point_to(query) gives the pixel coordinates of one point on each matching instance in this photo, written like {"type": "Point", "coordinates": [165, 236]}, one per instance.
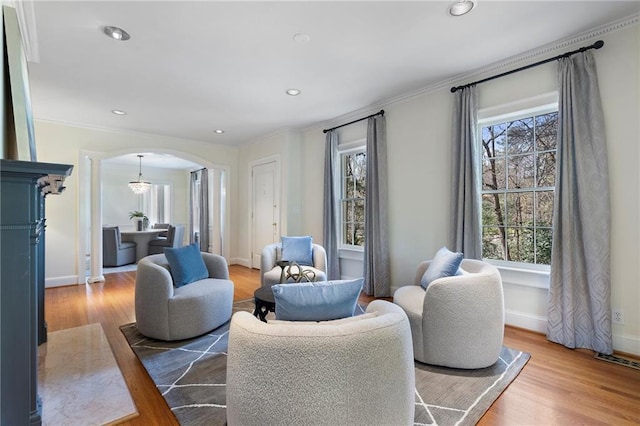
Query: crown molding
{"type": "Point", "coordinates": [522, 59]}
{"type": "Point", "coordinates": [27, 23]}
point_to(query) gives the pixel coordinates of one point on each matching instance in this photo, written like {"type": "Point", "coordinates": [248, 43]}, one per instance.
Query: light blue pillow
{"type": "Point", "coordinates": [317, 301]}
{"type": "Point", "coordinates": [298, 249]}
{"type": "Point", "coordinates": [444, 264]}
{"type": "Point", "coordinates": [186, 264]}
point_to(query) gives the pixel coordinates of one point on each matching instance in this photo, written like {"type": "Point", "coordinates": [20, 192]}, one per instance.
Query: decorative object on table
{"type": "Point", "coordinates": [115, 252]}
{"type": "Point", "coordinates": [182, 369]}
{"type": "Point", "coordinates": [141, 221]}
{"type": "Point", "coordinates": [458, 321]}
{"type": "Point", "coordinates": [175, 235]}
{"type": "Point", "coordinates": [272, 273]}
{"type": "Point", "coordinates": [292, 272]}
{"type": "Point", "coordinates": [140, 186]}
{"type": "Point", "coordinates": [202, 302]}
{"type": "Point", "coordinates": [311, 371]}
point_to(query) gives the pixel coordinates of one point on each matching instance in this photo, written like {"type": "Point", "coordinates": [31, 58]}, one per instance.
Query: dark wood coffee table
{"type": "Point", "coordinates": [265, 302]}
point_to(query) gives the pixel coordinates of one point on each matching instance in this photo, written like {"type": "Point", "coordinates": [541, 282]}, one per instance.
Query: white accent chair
{"type": "Point", "coordinates": [352, 371]}
{"type": "Point", "coordinates": [270, 272]}
{"type": "Point", "coordinates": [165, 312]}
{"type": "Point", "coordinates": [458, 321]}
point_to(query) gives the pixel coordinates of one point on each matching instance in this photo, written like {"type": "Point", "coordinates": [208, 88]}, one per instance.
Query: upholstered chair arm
{"type": "Point", "coordinates": [154, 288]}
{"type": "Point", "coordinates": [460, 309]}
{"type": "Point", "coordinates": [422, 267]}
{"type": "Point", "coordinates": [319, 258]}
{"type": "Point", "coordinates": [267, 260]}
{"type": "Point", "coordinates": [216, 265]}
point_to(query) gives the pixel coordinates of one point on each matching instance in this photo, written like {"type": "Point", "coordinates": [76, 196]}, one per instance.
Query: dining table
{"type": "Point", "coordinates": [141, 238]}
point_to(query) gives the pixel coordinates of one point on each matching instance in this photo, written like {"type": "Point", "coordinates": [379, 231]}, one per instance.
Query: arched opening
{"type": "Point", "coordinates": [104, 197]}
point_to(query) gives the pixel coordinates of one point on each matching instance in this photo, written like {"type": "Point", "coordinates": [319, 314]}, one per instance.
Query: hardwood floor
{"type": "Point", "coordinates": [558, 386]}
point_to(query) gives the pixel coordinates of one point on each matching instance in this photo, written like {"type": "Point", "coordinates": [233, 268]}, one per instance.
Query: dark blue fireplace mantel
{"type": "Point", "coordinates": [23, 188]}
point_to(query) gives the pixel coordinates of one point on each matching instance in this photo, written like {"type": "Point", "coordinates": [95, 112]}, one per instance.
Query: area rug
{"type": "Point", "coordinates": [191, 375]}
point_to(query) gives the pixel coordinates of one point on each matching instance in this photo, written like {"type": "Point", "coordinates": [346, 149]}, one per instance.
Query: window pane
{"type": "Point", "coordinates": [520, 136]}
{"type": "Point", "coordinates": [493, 209]}
{"type": "Point", "coordinates": [543, 246]}
{"type": "Point", "coordinates": [546, 169]}
{"type": "Point", "coordinates": [546, 131]}
{"type": "Point", "coordinates": [348, 233]}
{"type": "Point", "coordinates": [349, 188]}
{"type": "Point", "coordinates": [520, 245]}
{"type": "Point", "coordinates": [493, 174]}
{"type": "Point", "coordinates": [520, 209]}
{"type": "Point", "coordinates": [521, 171]}
{"type": "Point", "coordinates": [493, 243]}
{"type": "Point", "coordinates": [359, 211]}
{"type": "Point", "coordinates": [358, 239]}
{"type": "Point", "coordinates": [544, 208]}
{"type": "Point", "coordinates": [494, 140]}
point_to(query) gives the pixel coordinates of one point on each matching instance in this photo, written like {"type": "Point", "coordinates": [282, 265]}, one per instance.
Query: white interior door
{"type": "Point", "coordinates": [265, 209]}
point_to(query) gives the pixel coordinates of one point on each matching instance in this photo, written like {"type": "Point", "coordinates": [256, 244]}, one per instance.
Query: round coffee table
{"type": "Point", "coordinates": [265, 303]}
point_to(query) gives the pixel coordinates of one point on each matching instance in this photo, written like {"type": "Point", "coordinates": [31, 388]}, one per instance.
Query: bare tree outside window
{"type": "Point", "coordinates": [518, 179]}
{"type": "Point", "coordinates": [353, 167]}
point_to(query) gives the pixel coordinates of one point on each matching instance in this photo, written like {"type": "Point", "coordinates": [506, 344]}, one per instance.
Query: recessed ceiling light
{"type": "Point", "coordinates": [116, 33]}
{"type": "Point", "coordinates": [293, 92]}
{"type": "Point", "coordinates": [461, 7]}
{"type": "Point", "coordinates": [219, 131]}
{"type": "Point", "coordinates": [118, 112]}
{"type": "Point", "coordinates": [301, 38]}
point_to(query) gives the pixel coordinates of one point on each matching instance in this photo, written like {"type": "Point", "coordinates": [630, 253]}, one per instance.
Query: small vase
{"type": "Point", "coordinates": [138, 224]}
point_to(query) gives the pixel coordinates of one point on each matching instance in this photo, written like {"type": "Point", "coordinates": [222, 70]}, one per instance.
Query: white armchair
{"type": "Point", "coordinates": [459, 320]}
{"type": "Point", "coordinates": [270, 272]}
{"type": "Point", "coordinates": [352, 371]}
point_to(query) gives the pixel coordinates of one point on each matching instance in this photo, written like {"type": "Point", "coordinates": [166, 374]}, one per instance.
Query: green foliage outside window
{"type": "Point", "coordinates": [353, 166]}
{"type": "Point", "coordinates": [518, 179]}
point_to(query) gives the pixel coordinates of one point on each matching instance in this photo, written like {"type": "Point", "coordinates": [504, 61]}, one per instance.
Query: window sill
{"type": "Point", "coordinates": [352, 253]}
{"type": "Point", "coordinates": [536, 276]}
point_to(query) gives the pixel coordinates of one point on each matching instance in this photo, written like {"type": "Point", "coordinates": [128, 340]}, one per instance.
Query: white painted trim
{"type": "Point", "coordinates": [526, 321]}
{"type": "Point", "coordinates": [626, 343]}
{"type": "Point", "coordinates": [527, 278]}
{"type": "Point", "coordinates": [240, 261]}
{"type": "Point", "coordinates": [27, 22]}
{"type": "Point", "coordinates": [61, 281]}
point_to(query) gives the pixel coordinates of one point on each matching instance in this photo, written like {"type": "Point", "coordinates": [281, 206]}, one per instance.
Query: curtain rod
{"type": "Point", "coordinates": [381, 112]}
{"type": "Point", "coordinates": [597, 45]}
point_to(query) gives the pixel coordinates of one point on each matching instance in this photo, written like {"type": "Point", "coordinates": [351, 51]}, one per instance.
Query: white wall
{"type": "Point", "coordinates": [58, 143]}
{"type": "Point", "coordinates": [418, 137]}
{"type": "Point", "coordinates": [118, 200]}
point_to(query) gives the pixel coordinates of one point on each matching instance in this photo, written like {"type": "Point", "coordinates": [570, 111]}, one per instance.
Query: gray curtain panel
{"type": "Point", "coordinates": [377, 270]}
{"type": "Point", "coordinates": [193, 194]}
{"type": "Point", "coordinates": [579, 294]}
{"type": "Point", "coordinates": [330, 206]}
{"type": "Point", "coordinates": [465, 228]}
{"type": "Point", "coordinates": [204, 210]}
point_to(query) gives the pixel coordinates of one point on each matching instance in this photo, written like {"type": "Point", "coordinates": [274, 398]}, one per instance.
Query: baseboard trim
{"type": "Point", "coordinates": [626, 344]}
{"type": "Point", "coordinates": [240, 261]}
{"type": "Point", "coordinates": [526, 321]}
{"type": "Point", "coordinates": [61, 281]}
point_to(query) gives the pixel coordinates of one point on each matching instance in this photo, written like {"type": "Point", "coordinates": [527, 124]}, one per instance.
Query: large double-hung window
{"type": "Point", "coordinates": [518, 180]}
{"type": "Point", "coordinates": [353, 167]}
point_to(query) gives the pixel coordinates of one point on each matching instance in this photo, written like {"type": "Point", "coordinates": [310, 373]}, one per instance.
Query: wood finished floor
{"type": "Point", "coordinates": [558, 386]}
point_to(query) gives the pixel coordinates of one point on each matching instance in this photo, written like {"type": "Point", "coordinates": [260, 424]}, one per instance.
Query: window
{"type": "Point", "coordinates": [353, 166]}
{"type": "Point", "coordinates": [518, 179]}
{"type": "Point", "coordinates": [157, 203]}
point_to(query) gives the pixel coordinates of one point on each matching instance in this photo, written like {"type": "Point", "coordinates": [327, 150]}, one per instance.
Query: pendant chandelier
{"type": "Point", "coordinates": [140, 186]}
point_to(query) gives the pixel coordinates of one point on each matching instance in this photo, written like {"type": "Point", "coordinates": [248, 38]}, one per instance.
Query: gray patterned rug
{"type": "Point", "coordinates": [191, 375]}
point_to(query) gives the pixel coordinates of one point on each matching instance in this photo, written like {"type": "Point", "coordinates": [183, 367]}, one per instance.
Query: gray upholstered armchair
{"type": "Point", "coordinates": [459, 320]}
{"type": "Point", "coordinates": [114, 251]}
{"type": "Point", "coordinates": [162, 226]}
{"type": "Point", "coordinates": [270, 272]}
{"type": "Point", "coordinates": [174, 237]}
{"type": "Point", "coordinates": [168, 313]}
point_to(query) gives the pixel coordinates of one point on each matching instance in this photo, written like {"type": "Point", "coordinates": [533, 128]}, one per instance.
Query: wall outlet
{"type": "Point", "coordinates": [617, 316]}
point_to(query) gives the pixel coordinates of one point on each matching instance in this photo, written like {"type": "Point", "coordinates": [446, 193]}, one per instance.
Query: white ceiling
{"type": "Point", "coordinates": [192, 67]}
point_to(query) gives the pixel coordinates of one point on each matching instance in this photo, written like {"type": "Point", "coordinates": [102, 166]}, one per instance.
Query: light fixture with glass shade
{"type": "Point", "coordinates": [140, 186]}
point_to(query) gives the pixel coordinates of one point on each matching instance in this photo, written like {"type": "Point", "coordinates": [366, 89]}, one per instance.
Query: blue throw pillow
{"type": "Point", "coordinates": [186, 264]}
{"type": "Point", "coordinates": [317, 301]}
{"type": "Point", "coordinates": [444, 264]}
{"type": "Point", "coordinates": [298, 249]}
